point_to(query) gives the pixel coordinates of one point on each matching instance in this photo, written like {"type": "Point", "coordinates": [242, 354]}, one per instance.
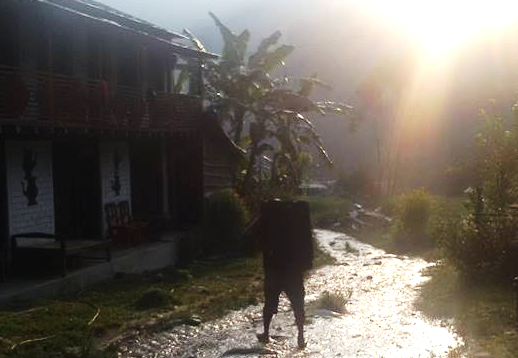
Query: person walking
{"type": "Point", "coordinates": [286, 238]}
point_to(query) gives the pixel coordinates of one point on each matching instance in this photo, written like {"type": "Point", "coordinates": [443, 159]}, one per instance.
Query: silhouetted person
{"type": "Point", "coordinates": [286, 238]}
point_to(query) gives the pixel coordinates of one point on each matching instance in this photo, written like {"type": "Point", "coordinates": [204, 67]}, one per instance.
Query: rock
{"type": "Point", "coordinates": [194, 320]}
{"type": "Point", "coordinates": [369, 277]}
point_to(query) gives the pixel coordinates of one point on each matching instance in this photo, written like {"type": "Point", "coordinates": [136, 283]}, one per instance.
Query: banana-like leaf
{"type": "Point", "coordinates": [299, 116]}
{"type": "Point", "coordinates": [276, 58]}
{"type": "Point", "coordinates": [271, 40]}
{"type": "Point", "coordinates": [307, 84]}
{"type": "Point", "coordinates": [234, 46]}
{"type": "Point", "coordinates": [324, 154]}
{"type": "Point", "coordinates": [254, 61]}
{"type": "Point", "coordinates": [242, 44]}
{"type": "Point", "coordinates": [195, 40]}
{"type": "Point", "coordinates": [292, 101]}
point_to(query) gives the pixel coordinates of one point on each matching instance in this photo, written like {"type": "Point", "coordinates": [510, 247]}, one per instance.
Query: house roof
{"type": "Point", "coordinates": [96, 11]}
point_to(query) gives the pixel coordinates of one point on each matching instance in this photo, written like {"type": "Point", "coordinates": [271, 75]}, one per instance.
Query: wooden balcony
{"type": "Point", "coordinates": [35, 98]}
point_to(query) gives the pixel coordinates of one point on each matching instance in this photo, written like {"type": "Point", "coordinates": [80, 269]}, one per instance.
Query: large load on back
{"type": "Point", "coordinates": [286, 235]}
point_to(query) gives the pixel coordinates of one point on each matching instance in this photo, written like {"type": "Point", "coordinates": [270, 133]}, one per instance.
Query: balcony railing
{"type": "Point", "coordinates": [41, 98]}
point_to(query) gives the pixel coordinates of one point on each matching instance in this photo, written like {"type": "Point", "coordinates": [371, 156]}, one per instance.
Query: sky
{"type": "Point", "coordinates": [460, 58]}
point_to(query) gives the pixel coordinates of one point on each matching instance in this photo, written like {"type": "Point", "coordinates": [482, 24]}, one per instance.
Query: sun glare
{"type": "Point", "coordinates": [441, 25]}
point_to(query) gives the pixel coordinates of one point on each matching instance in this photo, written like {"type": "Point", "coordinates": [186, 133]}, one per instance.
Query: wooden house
{"type": "Point", "coordinates": [91, 114]}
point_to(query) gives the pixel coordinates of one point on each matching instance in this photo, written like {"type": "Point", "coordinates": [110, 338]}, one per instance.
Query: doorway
{"type": "Point", "coordinates": [77, 190]}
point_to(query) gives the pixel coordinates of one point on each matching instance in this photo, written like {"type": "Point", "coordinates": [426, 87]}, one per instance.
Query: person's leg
{"type": "Point", "coordinates": [271, 302]}
{"type": "Point", "coordinates": [295, 293]}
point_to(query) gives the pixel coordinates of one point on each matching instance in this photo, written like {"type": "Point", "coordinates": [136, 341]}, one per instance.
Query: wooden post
{"type": "Point", "coordinates": [165, 178]}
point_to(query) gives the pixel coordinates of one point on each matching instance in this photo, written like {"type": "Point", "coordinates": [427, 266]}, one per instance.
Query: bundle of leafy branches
{"type": "Point", "coordinates": [483, 243]}
{"type": "Point", "coordinates": [245, 94]}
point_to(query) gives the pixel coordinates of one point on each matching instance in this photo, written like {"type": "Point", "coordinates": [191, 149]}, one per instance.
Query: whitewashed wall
{"type": "Point", "coordinates": [24, 217]}
{"type": "Point", "coordinates": [106, 152]}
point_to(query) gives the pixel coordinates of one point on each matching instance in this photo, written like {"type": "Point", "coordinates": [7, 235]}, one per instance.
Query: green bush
{"type": "Point", "coordinates": [191, 246]}
{"type": "Point", "coordinates": [388, 205]}
{"type": "Point", "coordinates": [480, 245]}
{"type": "Point", "coordinates": [356, 183]}
{"type": "Point", "coordinates": [153, 298]}
{"type": "Point", "coordinates": [225, 219]}
{"type": "Point", "coordinates": [412, 217]}
{"type": "Point", "coordinates": [480, 249]}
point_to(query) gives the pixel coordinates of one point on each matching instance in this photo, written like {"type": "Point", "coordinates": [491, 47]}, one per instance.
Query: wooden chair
{"type": "Point", "coordinates": [38, 241]}
{"type": "Point", "coordinates": [122, 229]}
{"type": "Point", "coordinates": [124, 211]}
{"type": "Point", "coordinates": [117, 232]}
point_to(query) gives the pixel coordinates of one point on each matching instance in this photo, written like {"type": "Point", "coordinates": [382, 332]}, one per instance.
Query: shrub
{"type": "Point", "coordinates": [414, 211]}
{"type": "Point", "coordinates": [153, 298]}
{"type": "Point", "coordinates": [389, 205]}
{"type": "Point", "coordinates": [225, 220]}
{"type": "Point", "coordinates": [412, 217]}
{"type": "Point", "coordinates": [356, 183]}
{"type": "Point", "coordinates": [191, 246]}
{"type": "Point", "coordinates": [479, 249]}
{"type": "Point", "coordinates": [480, 245]}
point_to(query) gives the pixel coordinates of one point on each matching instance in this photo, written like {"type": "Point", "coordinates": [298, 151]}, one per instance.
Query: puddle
{"type": "Point", "coordinates": [380, 320]}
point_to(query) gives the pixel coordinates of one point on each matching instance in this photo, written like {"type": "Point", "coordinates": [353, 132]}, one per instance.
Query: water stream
{"type": "Point", "coordinates": [381, 320]}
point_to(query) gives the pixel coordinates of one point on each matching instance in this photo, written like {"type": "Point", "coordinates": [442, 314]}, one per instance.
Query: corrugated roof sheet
{"type": "Point", "coordinates": [107, 15]}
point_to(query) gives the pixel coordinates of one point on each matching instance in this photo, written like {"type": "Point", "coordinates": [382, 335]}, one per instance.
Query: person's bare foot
{"type": "Point", "coordinates": [263, 337]}
{"type": "Point", "coordinates": [301, 343]}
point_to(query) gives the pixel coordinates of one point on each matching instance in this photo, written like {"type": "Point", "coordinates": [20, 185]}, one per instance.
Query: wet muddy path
{"type": "Point", "coordinates": [381, 320]}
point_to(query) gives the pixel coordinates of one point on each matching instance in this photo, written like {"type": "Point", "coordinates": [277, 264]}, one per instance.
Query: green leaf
{"type": "Point", "coordinates": [255, 60]}
{"type": "Point", "coordinates": [307, 84]}
{"type": "Point", "coordinates": [234, 47]}
{"type": "Point", "coordinates": [276, 58]}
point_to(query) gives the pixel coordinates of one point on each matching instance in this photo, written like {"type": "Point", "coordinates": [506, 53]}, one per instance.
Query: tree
{"type": "Point", "coordinates": [243, 90]}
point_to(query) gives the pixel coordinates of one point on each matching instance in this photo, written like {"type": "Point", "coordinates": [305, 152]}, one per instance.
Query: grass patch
{"type": "Point", "coordinates": [328, 210]}
{"type": "Point", "coordinates": [332, 301]}
{"type": "Point", "coordinates": [154, 298]}
{"type": "Point", "coordinates": [382, 238]}
{"type": "Point", "coordinates": [208, 289]}
{"type": "Point", "coordinates": [484, 314]}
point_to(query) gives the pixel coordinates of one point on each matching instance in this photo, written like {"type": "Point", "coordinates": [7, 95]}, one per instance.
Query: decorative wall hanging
{"type": "Point", "coordinates": [116, 182]}
{"type": "Point", "coordinates": [29, 187]}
